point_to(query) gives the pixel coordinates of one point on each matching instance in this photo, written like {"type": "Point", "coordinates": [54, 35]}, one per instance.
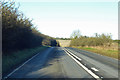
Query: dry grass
{"type": "Point", "coordinates": [16, 58]}
{"type": "Point", "coordinates": [105, 52]}
{"type": "Point", "coordinates": [64, 43]}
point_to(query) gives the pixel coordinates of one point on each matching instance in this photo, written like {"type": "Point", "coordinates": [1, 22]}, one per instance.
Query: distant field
{"type": "Point", "coordinates": [64, 43]}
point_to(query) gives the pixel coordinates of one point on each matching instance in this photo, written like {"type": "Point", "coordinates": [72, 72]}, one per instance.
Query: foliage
{"type": "Point", "coordinates": [49, 41]}
{"type": "Point", "coordinates": [18, 32]}
{"type": "Point", "coordinates": [76, 34]}
{"type": "Point", "coordinates": [13, 60]}
{"type": "Point", "coordinates": [117, 41]}
{"type": "Point", "coordinates": [63, 38]}
{"type": "Point", "coordinates": [98, 40]}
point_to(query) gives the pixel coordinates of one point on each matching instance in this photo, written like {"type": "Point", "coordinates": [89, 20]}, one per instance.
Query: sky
{"type": "Point", "coordinates": [59, 18]}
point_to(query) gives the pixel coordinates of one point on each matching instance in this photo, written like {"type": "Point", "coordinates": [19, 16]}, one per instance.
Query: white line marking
{"type": "Point", "coordinates": [74, 55]}
{"type": "Point", "coordinates": [85, 68]}
{"type": "Point", "coordinates": [101, 77]}
{"type": "Point", "coordinates": [21, 66]}
{"type": "Point", "coordinates": [94, 69]}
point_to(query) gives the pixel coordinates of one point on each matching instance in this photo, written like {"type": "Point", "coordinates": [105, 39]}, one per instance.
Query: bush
{"type": "Point", "coordinates": [18, 32]}
{"type": "Point", "coordinates": [101, 40]}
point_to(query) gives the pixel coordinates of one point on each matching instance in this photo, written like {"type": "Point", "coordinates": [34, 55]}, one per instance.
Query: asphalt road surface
{"type": "Point", "coordinates": [58, 62]}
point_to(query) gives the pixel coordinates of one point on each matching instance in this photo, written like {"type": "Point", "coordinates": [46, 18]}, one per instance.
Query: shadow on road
{"type": "Point", "coordinates": [51, 68]}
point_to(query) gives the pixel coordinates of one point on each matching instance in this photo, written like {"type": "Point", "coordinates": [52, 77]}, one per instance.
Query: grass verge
{"type": "Point", "coordinates": [13, 60]}
{"type": "Point", "coordinates": [109, 53]}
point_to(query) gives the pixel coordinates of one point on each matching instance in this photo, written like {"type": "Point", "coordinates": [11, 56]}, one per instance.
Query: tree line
{"type": "Point", "coordinates": [97, 40]}
{"type": "Point", "coordinates": [18, 32]}
{"type": "Point", "coordinates": [62, 38]}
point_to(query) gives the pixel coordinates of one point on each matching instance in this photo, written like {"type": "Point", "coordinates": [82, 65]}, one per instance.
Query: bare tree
{"type": "Point", "coordinates": [76, 34]}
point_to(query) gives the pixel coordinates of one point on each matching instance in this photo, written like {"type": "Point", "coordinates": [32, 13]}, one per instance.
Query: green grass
{"type": "Point", "coordinates": [9, 62]}
{"type": "Point", "coordinates": [109, 53]}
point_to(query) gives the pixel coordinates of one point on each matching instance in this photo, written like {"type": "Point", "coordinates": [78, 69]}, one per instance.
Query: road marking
{"type": "Point", "coordinates": [85, 68]}
{"type": "Point", "coordinates": [74, 55]}
{"type": "Point", "coordinates": [20, 66]}
{"type": "Point", "coordinates": [94, 69]}
{"type": "Point", "coordinates": [101, 77]}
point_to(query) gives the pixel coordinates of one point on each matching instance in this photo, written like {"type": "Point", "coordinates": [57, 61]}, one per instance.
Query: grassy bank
{"type": "Point", "coordinates": [9, 62]}
{"type": "Point", "coordinates": [109, 53]}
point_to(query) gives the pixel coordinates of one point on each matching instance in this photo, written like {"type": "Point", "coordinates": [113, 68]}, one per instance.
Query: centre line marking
{"type": "Point", "coordinates": [85, 68]}
{"type": "Point", "coordinates": [94, 69]}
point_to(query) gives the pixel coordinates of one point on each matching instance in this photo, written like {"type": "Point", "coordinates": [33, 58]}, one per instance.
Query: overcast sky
{"type": "Point", "coordinates": [58, 18]}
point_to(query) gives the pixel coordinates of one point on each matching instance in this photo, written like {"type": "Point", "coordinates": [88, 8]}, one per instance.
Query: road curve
{"type": "Point", "coordinates": [55, 63]}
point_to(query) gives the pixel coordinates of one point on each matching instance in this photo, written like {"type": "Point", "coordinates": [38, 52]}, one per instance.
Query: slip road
{"type": "Point", "coordinates": [58, 62]}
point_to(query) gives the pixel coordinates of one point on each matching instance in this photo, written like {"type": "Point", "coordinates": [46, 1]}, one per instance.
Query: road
{"type": "Point", "coordinates": [58, 62]}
